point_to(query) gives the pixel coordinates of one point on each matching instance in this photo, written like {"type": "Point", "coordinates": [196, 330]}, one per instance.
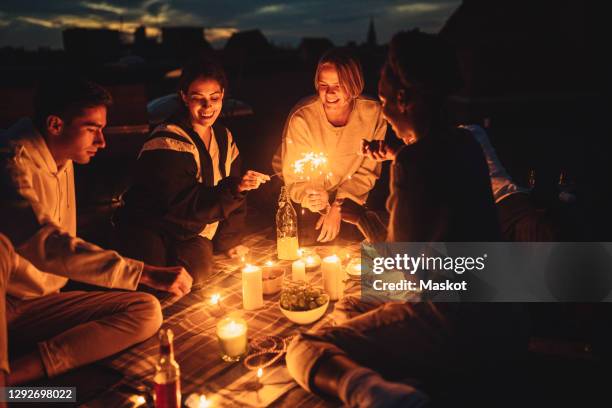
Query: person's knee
{"type": "Point", "coordinates": [303, 354]}
{"type": "Point", "coordinates": [296, 352]}
{"type": "Point", "coordinates": [147, 313]}
{"type": "Point", "coordinates": [200, 271]}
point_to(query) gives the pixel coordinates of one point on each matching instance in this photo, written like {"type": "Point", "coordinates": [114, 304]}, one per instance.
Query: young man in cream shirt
{"type": "Point", "coordinates": [69, 329]}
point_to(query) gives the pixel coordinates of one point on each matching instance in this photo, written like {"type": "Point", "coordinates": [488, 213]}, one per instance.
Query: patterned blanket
{"type": "Point", "coordinates": [193, 320]}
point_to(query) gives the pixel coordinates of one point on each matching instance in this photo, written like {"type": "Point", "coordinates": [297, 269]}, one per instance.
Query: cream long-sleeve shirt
{"type": "Point", "coordinates": [308, 130]}
{"type": "Point", "coordinates": [53, 253]}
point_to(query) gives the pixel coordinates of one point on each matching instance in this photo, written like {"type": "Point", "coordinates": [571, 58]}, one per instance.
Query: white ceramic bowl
{"type": "Point", "coordinates": [272, 280]}
{"type": "Point", "coordinates": [305, 316]}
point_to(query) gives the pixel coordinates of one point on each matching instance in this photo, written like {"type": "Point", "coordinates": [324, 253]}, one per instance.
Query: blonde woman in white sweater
{"type": "Point", "coordinates": [333, 122]}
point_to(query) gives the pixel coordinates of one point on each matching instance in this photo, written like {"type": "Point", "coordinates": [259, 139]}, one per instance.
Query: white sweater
{"type": "Point", "coordinates": [308, 130]}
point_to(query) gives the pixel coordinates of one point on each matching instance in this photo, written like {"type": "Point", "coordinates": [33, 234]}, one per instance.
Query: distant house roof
{"type": "Point", "coordinates": [252, 41]}
{"type": "Point", "coordinates": [312, 48]}
{"type": "Point", "coordinates": [99, 43]}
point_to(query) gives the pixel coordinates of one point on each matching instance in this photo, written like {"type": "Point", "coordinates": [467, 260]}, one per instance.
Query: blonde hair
{"type": "Point", "coordinates": [349, 71]}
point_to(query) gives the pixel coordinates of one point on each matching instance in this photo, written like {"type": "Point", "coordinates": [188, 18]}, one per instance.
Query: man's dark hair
{"type": "Point", "coordinates": [67, 97]}
{"type": "Point", "coordinates": [424, 62]}
{"type": "Point", "coordinates": [202, 67]}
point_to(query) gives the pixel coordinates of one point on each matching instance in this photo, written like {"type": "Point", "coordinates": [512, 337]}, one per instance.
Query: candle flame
{"type": "Point", "coordinates": [214, 299]}
{"type": "Point", "coordinates": [310, 259]}
{"type": "Point", "coordinates": [332, 258]}
{"type": "Point", "coordinates": [269, 263]}
{"type": "Point", "coordinates": [259, 372]}
{"type": "Point", "coordinates": [138, 400]}
{"type": "Point", "coordinates": [250, 268]}
{"type": "Point", "coordinates": [203, 403]}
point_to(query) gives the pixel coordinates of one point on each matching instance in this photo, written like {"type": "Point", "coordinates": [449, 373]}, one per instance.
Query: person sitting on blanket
{"type": "Point", "coordinates": [363, 360]}
{"type": "Point", "coordinates": [517, 215]}
{"type": "Point", "coordinates": [188, 193]}
{"type": "Point", "coordinates": [332, 122]}
{"type": "Point", "coordinates": [52, 331]}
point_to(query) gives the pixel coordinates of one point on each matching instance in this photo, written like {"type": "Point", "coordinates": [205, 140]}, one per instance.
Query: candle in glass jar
{"type": "Point", "coordinates": [252, 287]}
{"type": "Point", "coordinates": [298, 270]}
{"type": "Point", "coordinates": [333, 277]}
{"type": "Point", "coordinates": [232, 336]}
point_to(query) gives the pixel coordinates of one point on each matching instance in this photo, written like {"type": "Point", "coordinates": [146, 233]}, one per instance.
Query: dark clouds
{"type": "Point", "coordinates": [39, 22]}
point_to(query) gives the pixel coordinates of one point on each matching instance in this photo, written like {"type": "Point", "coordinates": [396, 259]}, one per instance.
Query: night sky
{"type": "Point", "coordinates": [35, 23]}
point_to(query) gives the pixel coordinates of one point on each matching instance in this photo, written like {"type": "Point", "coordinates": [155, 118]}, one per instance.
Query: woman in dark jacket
{"type": "Point", "coordinates": [188, 194]}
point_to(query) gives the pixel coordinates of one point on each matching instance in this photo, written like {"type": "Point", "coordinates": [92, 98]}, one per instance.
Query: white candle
{"type": "Point", "coordinates": [298, 270]}
{"type": "Point", "coordinates": [252, 287]}
{"type": "Point", "coordinates": [333, 277]}
{"type": "Point", "coordinates": [232, 335]}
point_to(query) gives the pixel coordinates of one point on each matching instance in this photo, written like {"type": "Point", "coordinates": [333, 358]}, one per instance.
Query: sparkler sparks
{"type": "Point", "coordinates": [315, 162]}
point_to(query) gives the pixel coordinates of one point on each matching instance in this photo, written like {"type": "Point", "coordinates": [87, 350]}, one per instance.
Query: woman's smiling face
{"type": "Point", "coordinates": [333, 96]}
{"type": "Point", "coordinates": [204, 100]}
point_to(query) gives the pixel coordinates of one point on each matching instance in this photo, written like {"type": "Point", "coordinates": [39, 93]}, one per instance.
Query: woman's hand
{"type": "Point", "coordinates": [377, 150]}
{"type": "Point", "coordinates": [316, 199]}
{"type": "Point", "coordinates": [252, 180]}
{"type": "Point", "coordinates": [237, 251]}
{"type": "Point", "coordinates": [329, 224]}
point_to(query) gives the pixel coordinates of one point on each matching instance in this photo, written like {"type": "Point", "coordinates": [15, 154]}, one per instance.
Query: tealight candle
{"type": "Point", "coordinates": [216, 307]}
{"type": "Point", "coordinates": [310, 258]}
{"type": "Point", "coordinates": [354, 267]}
{"type": "Point", "coordinates": [252, 287]}
{"type": "Point", "coordinates": [298, 270]}
{"type": "Point", "coordinates": [198, 401]}
{"type": "Point", "coordinates": [333, 277]}
{"type": "Point", "coordinates": [232, 336]}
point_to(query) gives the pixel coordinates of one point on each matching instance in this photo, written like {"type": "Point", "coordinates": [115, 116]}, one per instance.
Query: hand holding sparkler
{"type": "Point", "coordinates": [252, 180]}
{"type": "Point", "coordinates": [316, 199]}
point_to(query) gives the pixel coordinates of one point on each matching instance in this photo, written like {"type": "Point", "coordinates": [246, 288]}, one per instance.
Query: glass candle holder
{"type": "Point", "coordinates": [232, 337]}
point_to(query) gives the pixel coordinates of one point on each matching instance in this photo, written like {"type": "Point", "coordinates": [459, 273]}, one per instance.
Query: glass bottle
{"type": "Point", "coordinates": [167, 380]}
{"type": "Point", "coordinates": [286, 228]}
{"type": "Point", "coordinates": [531, 179]}
{"type": "Point", "coordinates": [566, 187]}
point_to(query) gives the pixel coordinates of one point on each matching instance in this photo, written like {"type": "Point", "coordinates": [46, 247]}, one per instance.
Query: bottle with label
{"type": "Point", "coordinates": [286, 228]}
{"type": "Point", "coordinates": [167, 380]}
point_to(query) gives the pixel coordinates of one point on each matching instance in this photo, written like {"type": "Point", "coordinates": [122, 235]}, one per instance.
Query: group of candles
{"type": "Point", "coordinates": [232, 330]}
